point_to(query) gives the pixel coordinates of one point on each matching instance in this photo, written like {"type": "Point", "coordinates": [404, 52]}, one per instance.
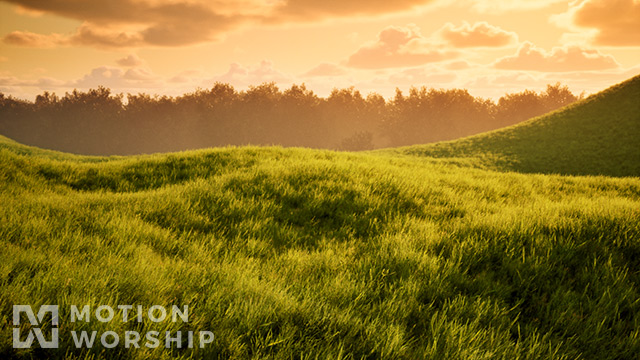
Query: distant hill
{"type": "Point", "coordinates": [597, 136]}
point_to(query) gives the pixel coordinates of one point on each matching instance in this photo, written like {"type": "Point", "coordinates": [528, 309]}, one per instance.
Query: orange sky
{"type": "Point", "coordinates": [175, 46]}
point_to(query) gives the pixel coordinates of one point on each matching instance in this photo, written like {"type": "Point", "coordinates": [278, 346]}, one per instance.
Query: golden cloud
{"type": "Point", "coordinates": [29, 39]}
{"type": "Point", "coordinates": [501, 6]}
{"type": "Point", "coordinates": [398, 47]}
{"type": "Point", "coordinates": [559, 59]}
{"type": "Point", "coordinates": [312, 9]}
{"type": "Point", "coordinates": [480, 34]}
{"type": "Point", "coordinates": [129, 23]}
{"type": "Point", "coordinates": [617, 21]}
{"type": "Point", "coordinates": [131, 60]}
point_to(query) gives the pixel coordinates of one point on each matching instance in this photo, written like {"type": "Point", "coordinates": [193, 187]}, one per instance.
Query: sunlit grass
{"type": "Point", "coordinates": [292, 253]}
{"type": "Point", "coordinates": [596, 136]}
{"type": "Point", "coordinates": [305, 254]}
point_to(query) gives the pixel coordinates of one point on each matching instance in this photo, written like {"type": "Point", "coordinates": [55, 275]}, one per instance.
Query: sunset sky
{"type": "Point", "coordinates": [176, 46]}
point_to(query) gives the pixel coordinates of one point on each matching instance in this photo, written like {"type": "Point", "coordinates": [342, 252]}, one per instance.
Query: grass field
{"type": "Point", "coordinates": [598, 136]}
{"type": "Point", "coordinates": [456, 250]}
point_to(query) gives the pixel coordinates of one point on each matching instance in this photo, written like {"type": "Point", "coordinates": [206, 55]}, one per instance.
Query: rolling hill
{"type": "Point", "coordinates": [597, 136]}
{"type": "Point", "coordinates": [308, 254]}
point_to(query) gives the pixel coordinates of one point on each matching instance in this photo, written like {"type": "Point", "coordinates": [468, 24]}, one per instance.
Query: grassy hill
{"type": "Point", "coordinates": [295, 253]}
{"type": "Point", "coordinates": [597, 136]}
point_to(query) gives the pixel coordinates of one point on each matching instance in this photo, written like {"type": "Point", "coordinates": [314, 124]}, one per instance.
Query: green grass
{"type": "Point", "coordinates": [305, 254]}
{"type": "Point", "coordinates": [597, 136]}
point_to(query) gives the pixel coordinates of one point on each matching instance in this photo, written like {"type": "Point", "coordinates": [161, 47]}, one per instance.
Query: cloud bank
{"type": "Point", "coordinates": [617, 21]}
{"type": "Point", "coordinates": [398, 47]}
{"type": "Point", "coordinates": [559, 59]}
{"type": "Point", "coordinates": [129, 23]}
{"type": "Point", "coordinates": [481, 34]}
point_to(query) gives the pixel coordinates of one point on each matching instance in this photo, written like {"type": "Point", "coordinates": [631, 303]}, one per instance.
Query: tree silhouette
{"type": "Point", "coordinates": [100, 122]}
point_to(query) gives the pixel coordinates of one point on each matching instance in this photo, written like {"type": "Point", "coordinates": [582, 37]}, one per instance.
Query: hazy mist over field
{"type": "Point", "coordinates": [98, 122]}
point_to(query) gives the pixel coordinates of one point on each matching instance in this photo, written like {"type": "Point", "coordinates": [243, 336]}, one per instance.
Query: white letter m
{"type": "Point", "coordinates": [19, 344]}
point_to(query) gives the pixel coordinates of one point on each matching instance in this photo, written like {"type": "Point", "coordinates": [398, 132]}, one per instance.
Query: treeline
{"type": "Point", "coordinates": [99, 122]}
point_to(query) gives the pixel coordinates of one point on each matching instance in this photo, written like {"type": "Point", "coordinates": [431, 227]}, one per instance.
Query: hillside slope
{"type": "Point", "coordinates": [294, 253]}
{"type": "Point", "coordinates": [297, 253]}
{"type": "Point", "coordinates": [597, 136]}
